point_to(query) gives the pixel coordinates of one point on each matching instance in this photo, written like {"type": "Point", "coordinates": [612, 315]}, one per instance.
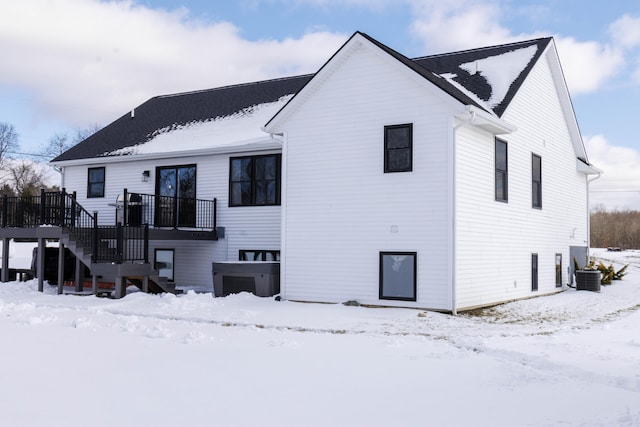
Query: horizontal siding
{"type": "Point", "coordinates": [251, 227]}
{"type": "Point", "coordinates": [495, 240]}
{"type": "Point", "coordinates": [341, 207]}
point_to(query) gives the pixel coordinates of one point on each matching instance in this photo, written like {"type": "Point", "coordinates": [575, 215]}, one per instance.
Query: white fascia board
{"type": "Point", "coordinates": [587, 169]}
{"type": "Point", "coordinates": [257, 145]}
{"type": "Point", "coordinates": [565, 101]}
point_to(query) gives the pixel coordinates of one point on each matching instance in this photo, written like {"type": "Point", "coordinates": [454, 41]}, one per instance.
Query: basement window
{"type": "Point", "coordinates": [259, 255]}
{"type": "Point", "coordinates": [398, 276]}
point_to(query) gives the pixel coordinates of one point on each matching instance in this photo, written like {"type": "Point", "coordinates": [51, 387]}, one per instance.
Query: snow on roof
{"type": "Point", "coordinates": [501, 71]}
{"type": "Point", "coordinates": [240, 128]}
{"type": "Point", "coordinates": [450, 78]}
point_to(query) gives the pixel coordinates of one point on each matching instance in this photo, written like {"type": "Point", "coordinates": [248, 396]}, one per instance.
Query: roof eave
{"type": "Point", "coordinates": [264, 144]}
{"type": "Point", "coordinates": [587, 169]}
{"type": "Point", "coordinates": [487, 121]}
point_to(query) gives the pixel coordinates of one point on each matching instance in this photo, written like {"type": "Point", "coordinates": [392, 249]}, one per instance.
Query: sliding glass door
{"type": "Point", "coordinates": [176, 196]}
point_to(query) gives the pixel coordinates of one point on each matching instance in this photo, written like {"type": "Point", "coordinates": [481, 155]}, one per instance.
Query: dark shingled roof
{"type": "Point", "coordinates": [162, 112]}
{"type": "Point", "coordinates": [174, 110]}
{"type": "Point", "coordinates": [477, 83]}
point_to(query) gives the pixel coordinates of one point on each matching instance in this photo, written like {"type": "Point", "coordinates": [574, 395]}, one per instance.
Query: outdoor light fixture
{"type": "Point", "coordinates": [145, 176]}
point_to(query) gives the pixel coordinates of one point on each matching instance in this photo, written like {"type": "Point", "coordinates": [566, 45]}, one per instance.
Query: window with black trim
{"type": "Point", "coordinates": [254, 180]}
{"type": "Point", "coordinates": [398, 148]}
{"type": "Point", "coordinates": [95, 182]}
{"type": "Point", "coordinates": [398, 275]}
{"type": "Point", "coordinates": [164, 263]}
{"type": "Point", "coordinates": [258, 255]}
{"type": "Point", "coordinates": [502, 178]}
{"type": "Point", "coordinates": [558, 270]}
{"type": "Point", "coordinates": [534, 272]}
{"type": "Point", "coordinates": [536, 181]}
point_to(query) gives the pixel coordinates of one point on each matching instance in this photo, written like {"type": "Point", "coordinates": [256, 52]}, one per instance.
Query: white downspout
{"type": "Point", "coordinates": [452, 207]}
{"type": "Point", "coordinates": [283, 212]}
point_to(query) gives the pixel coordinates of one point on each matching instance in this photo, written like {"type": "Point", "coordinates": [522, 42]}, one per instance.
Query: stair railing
{"type": "Point", "coordinates": [107, 243]}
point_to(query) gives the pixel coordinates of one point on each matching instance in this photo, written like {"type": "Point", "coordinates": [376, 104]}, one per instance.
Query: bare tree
{"type": "Point", "coordinates": [8, 141]}
{"type": "Point", "coordinates": [26, 178]}
{"type": "Point", "coordinates": [61, 142]}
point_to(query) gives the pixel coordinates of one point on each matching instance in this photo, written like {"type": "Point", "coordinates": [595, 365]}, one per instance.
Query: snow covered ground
{"type": "Point", "coordinates": [572, 359]}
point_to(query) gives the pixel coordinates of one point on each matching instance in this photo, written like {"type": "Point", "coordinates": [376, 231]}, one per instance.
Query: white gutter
{"type": "Point", "coordinates": [452, 201]}
{"type": "Point", "coordinates": [258, 144]}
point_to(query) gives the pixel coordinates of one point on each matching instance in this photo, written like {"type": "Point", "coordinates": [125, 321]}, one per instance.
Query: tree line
{"type": "Point", "coordinates": [617, 228]}
{"type": "Point", "coordinates": [21, 176]}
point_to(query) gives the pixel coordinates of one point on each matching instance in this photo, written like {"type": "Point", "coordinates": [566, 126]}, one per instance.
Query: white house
{"type": "Point", "coordinates": [445, 182]}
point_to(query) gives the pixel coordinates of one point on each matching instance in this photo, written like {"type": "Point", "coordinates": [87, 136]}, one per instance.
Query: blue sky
{"type": "Point", "coordinates": [72, 63]}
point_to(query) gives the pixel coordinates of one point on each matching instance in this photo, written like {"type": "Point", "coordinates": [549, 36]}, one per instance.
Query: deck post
{"type": "Point", "coordinates": [43, 202]}
{"type": "Point", "coordinates": [121, 287]}
{"type": "Point", "coordinates": [119, 244]}
{"type": "Point", "coordinates": [215, 213]}
{"type": "Point", "coordinates": [94, 284]}
{"type": "Point", "coordinates": [73, 209]}
{"type": "Point", "coordinates": [40, 265]}
{"type": "Point", "coordinates": [60, 267]}
{"type": "Point", "coordinates": [79, 275]}
{"type": "Point", "coordinates": [125, 208]}
{"type": "Point", "coordinates": [5, 210]}
{"type": "Point", "coordinates": [146, 243]}
{"type": "Point", "coordinates": [5, 260]}
{"type": "Point", "coordinates": [145, 284]}
{"type": "Point", "coordinates": [94, 245]}
{"type": "Point", "coordinates": [61, 206]}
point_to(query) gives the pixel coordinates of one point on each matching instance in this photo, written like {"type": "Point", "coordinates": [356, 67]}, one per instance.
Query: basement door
{"type": "Point", "coordinates": [176, 196]}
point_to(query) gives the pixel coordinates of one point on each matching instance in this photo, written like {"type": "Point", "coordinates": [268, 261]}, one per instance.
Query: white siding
{"type": "Point", "coordinates": [250, 227]}
{"type": "Point", "coordinates": [495, 240]}
{"type": "Point", "coordinates": [341, 206]}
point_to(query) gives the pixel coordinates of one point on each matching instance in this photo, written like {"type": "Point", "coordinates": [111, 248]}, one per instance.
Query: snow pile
{"type": "Point", "coordinates": [240, 128]}
{"type": "Point", "coordinates": [570, 359]}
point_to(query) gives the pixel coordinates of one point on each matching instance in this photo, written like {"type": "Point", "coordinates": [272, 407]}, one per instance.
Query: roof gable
{"type": "Point", "coordinates": [492, 74]}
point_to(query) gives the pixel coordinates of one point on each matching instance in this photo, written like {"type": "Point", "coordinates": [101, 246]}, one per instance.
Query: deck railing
{"type": "Point", "coordinates": [168, 212]}
{"type": "Point", "coordinates": [117, 243]}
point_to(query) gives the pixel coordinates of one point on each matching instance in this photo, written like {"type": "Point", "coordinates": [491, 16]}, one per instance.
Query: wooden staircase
{"type": "Point", "coordinates": [136, 273]}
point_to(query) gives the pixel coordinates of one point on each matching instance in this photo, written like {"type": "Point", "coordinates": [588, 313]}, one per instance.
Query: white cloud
{"type": "Point", "coordinates": [588, 65]}
{"type": "Point", "coordinates": [619, 186]}
{"type": "Point", "coordinates": [89, 61]}
{"type": "Point", "coordinates": [626, 31]}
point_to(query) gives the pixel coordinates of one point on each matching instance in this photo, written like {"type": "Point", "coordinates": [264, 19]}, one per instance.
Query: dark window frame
{"type": "Point", "coordinates": [100, 184]}
{"type": "Point", "coordinates": [258, 253]}
{"type": "Point", "coordinates": [253, 180]}
{"type": "Point", "coordinates": [534, 272]}
{"type": "Point", "coordinates": [536, 181]}
{"type": "Point", "coordinates": [558, 262]}
{"type": "Point", "coordinates": [181, 210]}
{"type": "Point", "coordinates": [501, 175]}
{"type": "Point", "coordinates": [388, 151]}
{"type": "Point", "coordinates": [381, 294]}
{"type": "Point", "coordinates": [173, 261]}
